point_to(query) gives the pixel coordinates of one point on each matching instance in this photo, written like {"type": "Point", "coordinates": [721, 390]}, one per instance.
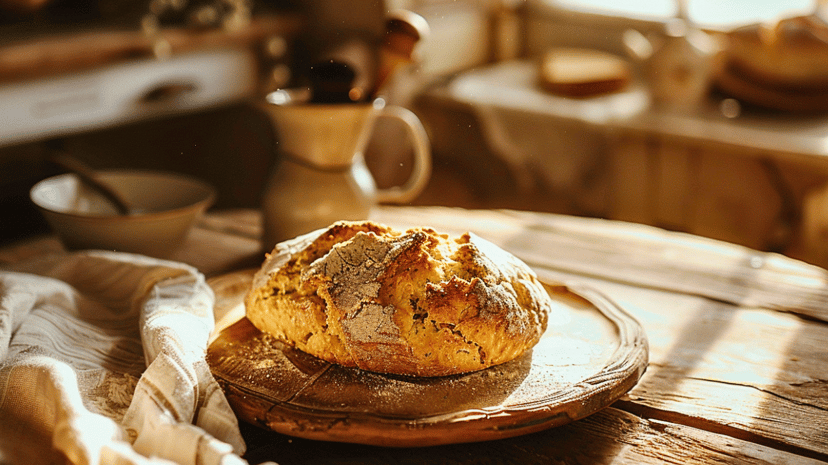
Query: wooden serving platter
{"type": "Point", "coordinates": [591, 354]}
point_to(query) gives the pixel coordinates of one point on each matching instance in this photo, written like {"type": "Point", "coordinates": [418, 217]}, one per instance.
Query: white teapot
{"type": "Point", "coordinates": [678, 64]}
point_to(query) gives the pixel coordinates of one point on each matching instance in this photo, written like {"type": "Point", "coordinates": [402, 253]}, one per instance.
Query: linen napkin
{"type": "Point", "coordinates": [102, 360]}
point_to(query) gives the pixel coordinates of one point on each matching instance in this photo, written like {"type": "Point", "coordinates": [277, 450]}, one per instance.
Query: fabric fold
{"type": "Point", "coordinates": [102, 359]}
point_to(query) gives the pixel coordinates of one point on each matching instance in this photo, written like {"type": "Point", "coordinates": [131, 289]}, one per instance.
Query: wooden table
{"type": "Point", "coordinates": [738, 368]}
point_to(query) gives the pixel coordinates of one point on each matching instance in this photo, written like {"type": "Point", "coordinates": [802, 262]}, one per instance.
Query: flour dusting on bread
{"type": "Point", "coordinates": [409, 302]}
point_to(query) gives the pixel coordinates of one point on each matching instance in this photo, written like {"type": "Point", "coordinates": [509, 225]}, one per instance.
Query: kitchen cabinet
{"type": "Point", "coordinates": [52, 85]}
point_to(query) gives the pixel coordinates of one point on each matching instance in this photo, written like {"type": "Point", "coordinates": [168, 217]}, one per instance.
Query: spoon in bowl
{"type": "Point", "coordinates": [90, 179]}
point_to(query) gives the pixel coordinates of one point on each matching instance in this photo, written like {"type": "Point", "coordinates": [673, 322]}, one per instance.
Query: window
{"type": "Point", "coordinates": [708, 13]}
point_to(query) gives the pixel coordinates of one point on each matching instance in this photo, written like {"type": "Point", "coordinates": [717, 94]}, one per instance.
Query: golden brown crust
{"type": "Point", "coordinates": [410, 303]}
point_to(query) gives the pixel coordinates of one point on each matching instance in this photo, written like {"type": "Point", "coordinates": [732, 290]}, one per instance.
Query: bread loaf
{"type": "Point", "coordinates": [417, 303]}
{"type": "Point", "coordinates": [575, 72]}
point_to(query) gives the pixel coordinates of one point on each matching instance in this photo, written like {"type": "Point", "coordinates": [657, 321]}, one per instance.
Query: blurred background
{"type": "Point", "coordinates": [701, 116]}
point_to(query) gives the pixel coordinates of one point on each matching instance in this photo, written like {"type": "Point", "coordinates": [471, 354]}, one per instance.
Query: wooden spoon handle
{"type": "Point", "coordinates": [88, 177]}
{"type": "Point", "coordinates": [403, 31]}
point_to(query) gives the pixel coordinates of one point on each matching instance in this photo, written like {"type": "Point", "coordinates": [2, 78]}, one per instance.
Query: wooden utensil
{"type": "Point", "coordinates": [89, 178]}
{"type": "Point", "coordinates": [403, 31]}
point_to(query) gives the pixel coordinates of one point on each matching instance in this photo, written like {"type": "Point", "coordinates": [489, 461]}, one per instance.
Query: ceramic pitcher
{"type": "Point", "coordinates": [678, 63]}
{"type": "Point", "coordinates": [321, 176]}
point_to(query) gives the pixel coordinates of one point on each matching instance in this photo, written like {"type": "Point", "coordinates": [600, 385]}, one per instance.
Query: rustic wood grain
{"type": "Point", "coordinates": [736, 336]}
{"type": "Point", "coordinates": [639, 255]}
{"type": "Point", "coordinates": [737, 369]}
{"type": "Point", "coordinates": [281, 389]}
{"type": "Point", "coordinates": [733, 347]}
{"type": "Point", "coordinates": [215, 253]}
{"type": "Point", "coordinates": [750, 372]}
{"type": "Point", "coordinates": [611, 436]}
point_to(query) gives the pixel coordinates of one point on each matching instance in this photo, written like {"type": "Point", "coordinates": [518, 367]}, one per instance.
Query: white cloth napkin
{"type": "Point", "coordinates": [102, 360]}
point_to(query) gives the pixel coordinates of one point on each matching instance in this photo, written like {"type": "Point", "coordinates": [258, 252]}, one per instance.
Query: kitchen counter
{"type": "Point", "coordinates": [737, 364]}
{"type": "Point", "coordinates": [758, 178]}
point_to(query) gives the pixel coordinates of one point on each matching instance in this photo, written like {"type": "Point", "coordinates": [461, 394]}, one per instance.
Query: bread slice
{"type": "Point", "coordinates": [582, 73]}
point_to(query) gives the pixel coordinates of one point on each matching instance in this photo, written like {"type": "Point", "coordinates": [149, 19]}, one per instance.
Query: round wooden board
{"type": "Point", "coordinates": [591, 354]}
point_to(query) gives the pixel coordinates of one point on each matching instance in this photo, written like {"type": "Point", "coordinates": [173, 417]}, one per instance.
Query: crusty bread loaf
{"type": "Point", "coordinates": [417, 303]}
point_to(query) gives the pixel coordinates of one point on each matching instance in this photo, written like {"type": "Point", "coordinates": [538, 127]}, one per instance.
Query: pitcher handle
{"type": "Point", "coordinates": [421, 171]}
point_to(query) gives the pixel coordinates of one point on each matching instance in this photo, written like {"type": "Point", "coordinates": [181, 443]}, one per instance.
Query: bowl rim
{"type": "Point", "coordinates": [202, 204]}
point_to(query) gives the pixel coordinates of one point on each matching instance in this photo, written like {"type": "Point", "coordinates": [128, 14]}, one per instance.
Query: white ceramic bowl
{"type": "Point", "coordinates": [168, 205]}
